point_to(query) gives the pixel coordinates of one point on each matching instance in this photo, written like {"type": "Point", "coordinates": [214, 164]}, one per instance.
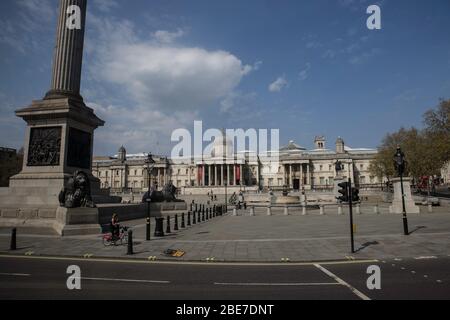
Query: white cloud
{"type": "Point", "coordinates": [167, 37]}
{"type": "Point", "coordinates": [364, 56]}
{"type": "Point", "coordinates": [313, 45]}
{"type": "Point", "coordinates": [161, 85]}
{"type": "Point", "coordinates": [24, 32]}
{"type": "Point", "coordinates": [329, 54]}
{"type": "Point", "coordinates": [248, 69]}
{"type": "Point", "coordinates": [106, 5]}
{"type": "Point", "coordinates": [278, 85]}
{"type": "Point", "coordinates": [304, 74]}
{"type": "Point", "coordinates": [170, 78]}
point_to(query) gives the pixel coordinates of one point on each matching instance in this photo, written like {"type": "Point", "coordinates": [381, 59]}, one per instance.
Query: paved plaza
{"type": "Point", "coordinates": [263, 238]}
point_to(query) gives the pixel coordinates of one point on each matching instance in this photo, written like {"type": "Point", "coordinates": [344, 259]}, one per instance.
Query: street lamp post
{"type": "Point", "coordinates": [400, 166]}
{"type": "Point", "coordinates": [150, 163]}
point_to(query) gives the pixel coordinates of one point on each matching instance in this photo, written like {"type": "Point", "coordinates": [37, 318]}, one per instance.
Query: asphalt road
{"type": "Point", "coordinates": [45, 278]}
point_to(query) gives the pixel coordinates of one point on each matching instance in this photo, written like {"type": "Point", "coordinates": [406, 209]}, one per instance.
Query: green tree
{"type": "Point", "coordinates": [426, 150]}
{"type": "Point", "coordinates": [437, 130]}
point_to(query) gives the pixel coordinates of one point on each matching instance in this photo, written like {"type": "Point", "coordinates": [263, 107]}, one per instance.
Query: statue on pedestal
{"type": "Point", "coordinates": [400, 162]}
{"type": "Point", "coordinates": [338, 166]}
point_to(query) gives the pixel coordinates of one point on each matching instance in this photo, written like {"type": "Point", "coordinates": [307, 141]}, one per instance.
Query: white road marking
{"type": "Point", "coordinates": [193, 263]}
{"type": "Point", "coordinates": [277, 284]}
{"type": "Point", "coordinates": [425, 258]}
{"type": "Point", "coordinates": [339, 280]}
{"type": "Point", "coordinates": [15, 274]}
{"type": "Point", "coordinates": [126, 280]}
{"type": "Point", "coordinates": [413, 272]}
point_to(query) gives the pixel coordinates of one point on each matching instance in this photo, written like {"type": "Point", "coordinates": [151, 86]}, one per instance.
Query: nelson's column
{"type": "Point", "coordinates": [58, 144]}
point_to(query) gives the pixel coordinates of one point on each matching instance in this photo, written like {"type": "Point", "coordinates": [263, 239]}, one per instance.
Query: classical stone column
{"type": "Point", "coordinates": [221, 176]}
{"type": "Point", "coordinates": [308, 177]}
{"type": "Point", "coordinates": [209, 176]}
{"type": "Point", "coordinates": [291, 176]}
{"type": "Point", "coordinates": [215, 176]}
{"type": "Point", "coordinates": [203, 175]}
{"type": "Point", "coordinates": [302, 184]}
{"type": "Point", "coordinates": [242, 176]}
{"type": "Point", "coordinates": [68, 54]}
{"type": "Point", "coordinates": [189, 177]}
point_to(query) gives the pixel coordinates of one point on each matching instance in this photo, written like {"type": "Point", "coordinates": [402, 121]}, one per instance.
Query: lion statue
{"type": "Point", "coordinates": [168, 194]}
{"type": "Point", "coordinates": [77, 193]}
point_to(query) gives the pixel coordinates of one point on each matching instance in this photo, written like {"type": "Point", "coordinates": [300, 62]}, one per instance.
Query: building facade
{"type": "Point", "coordinates": [294, 167]}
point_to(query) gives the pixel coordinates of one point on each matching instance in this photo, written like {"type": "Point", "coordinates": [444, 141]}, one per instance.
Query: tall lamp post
{"type": "Point", "coordinates": [400, 166]}
{"type": "Point", "coordinates": [150, 164]}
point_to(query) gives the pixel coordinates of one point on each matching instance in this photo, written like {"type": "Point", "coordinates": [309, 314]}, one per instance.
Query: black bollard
{"type": "Point", "coordinates": [183, 222]}
{"type": "Point", "coordinates": [189, 219]}
{"type": "Point", "coordinates": [210, 213]}
{"type": "Point", "coordinates": [215, 210]}
{"type": "Point", "coordinates": [168, 230]}
{"type": "Point", "coordinates": [175, 228]}
{"type": "Point", "coordinates": [13, 245]}
{"type": "Point", "coordinates": [159, 228]}
{"type": "Point", "coordinates": [194, 218]}
{"type": "Point", "coordinates": [199, 217]}
{"type": "Point", "coordinates": [130, 243]}
{"type": "Point", "coordinates": [206, 215]}
{"type": "Point", "coordinates": [191, 206]}
{"type": "Point", "coordinates": [148, 229]}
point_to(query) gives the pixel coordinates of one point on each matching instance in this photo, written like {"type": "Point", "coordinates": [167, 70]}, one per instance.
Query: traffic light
{"type": "Point", "coordinates": [344, 191]}
{"type": "Point", "coordinates": [355, 195]}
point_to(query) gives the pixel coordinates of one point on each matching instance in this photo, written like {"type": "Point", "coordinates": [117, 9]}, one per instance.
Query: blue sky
{"type": "Point", "coordinates": [305, 67]}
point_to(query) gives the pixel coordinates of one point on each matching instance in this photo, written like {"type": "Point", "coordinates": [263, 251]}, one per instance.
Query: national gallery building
{"type": "Point", "coordinates": [295, 167]}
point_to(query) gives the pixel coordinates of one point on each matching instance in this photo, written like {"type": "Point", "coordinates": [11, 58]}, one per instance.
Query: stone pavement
{"type": "Point", "coordinates": [264, 238]}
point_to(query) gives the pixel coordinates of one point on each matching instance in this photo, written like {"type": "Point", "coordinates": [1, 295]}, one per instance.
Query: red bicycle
{"type": "Point", "coordinates": [108, 239]}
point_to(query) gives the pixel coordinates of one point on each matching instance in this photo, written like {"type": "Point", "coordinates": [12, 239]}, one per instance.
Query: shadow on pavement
{"type": "Point", "coordinates": [366, 245]}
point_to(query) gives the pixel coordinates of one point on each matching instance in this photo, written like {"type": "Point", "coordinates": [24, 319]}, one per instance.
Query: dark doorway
{"type": "Point", "coordinates": [296, 184]}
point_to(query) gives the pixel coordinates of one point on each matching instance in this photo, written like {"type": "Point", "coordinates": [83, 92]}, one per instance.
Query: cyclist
{"type": "Point", "coordinates": [115, 227]}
